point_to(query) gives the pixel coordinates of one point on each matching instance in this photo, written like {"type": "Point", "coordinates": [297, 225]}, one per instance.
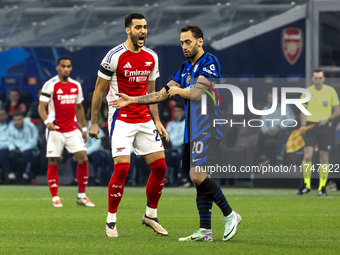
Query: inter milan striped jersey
{"type": "Point", "coordinates": [198, 126]}
{"type": "Point", "coordinates": [62, 99]}
{"type": "Point", "coordinates": [129, 73]}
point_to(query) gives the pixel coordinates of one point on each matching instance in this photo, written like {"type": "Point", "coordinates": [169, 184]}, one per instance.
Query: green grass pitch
{"type": "Point", "coordinates": [275, 221]}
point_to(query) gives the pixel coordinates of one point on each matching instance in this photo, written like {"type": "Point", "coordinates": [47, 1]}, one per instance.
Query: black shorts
{"type": "Point", "coordinates": [318, 135]}
{"type": "Point", "coordinates": [198, 153]}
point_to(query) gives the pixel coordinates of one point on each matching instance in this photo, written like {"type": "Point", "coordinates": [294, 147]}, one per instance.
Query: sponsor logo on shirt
{"type": "Point", "coordinates": [60, 91]}
{"type": "Point", "coordinates": [128, 65]}
{"type": "Point", "coordinates": [137, 75]}
{"type": "Point", "coordinates": [209, 71]}
{"type": "Point", "coordinates": [67, 99]}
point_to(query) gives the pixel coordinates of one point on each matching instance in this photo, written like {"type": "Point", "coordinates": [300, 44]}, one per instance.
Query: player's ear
{"type": "Point", "coordinates": [200, 42]}
{"type": "Point", "coordinates": [127, 30]}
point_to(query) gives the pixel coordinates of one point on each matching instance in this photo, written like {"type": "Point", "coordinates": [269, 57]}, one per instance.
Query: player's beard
{"type": "Point", "coordinates": [193, 52]}
{"type": "Point", "coordinates": [64, 77]}
{"type": "Point", "coordinates": [134, 40]}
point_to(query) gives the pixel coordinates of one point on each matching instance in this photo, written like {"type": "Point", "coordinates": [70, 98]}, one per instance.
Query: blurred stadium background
{"type": "Point", "coordinates": [248, 36]}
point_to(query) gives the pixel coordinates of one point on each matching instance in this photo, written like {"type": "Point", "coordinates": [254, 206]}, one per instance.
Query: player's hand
{"type": "Point", "coordinates": [50, 126]}
{"type": "Point", "coordinates": [173, 91]}
{"type": "Point", "coordinates": [323, 122]}
{"type": "Point", "coordinates": [84, 135]}
{"type": "Point", "coordinates": [162, 131]}
{"type": "Point", "coordinates": [123, 101]}
{"type": "Point", "coordinates": [94, 131]}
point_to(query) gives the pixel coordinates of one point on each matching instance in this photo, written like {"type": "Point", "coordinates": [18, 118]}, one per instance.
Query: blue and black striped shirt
{"type": "Point", "coordinates": [198, 126]}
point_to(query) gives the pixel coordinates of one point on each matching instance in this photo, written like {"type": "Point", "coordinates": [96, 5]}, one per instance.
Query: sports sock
{"type": "Point", "coordinates": [151, 212]}
{"type": "Point", "coordinates": [116, 185]}
{"type": "Point", "coordinates": [214, 192]}
{"type": "Point", "coordinates": [81, 195]}
{"type": "Point", "coordinates": [323, 175]}
{"type": "Point", "coordinates": [307, 172]}
{"type": "Point", "coordinates": [155, 183]}
{"type": "Point", "coordinates": [53, 179]}
{"type": "Point", "coordinates": [111, 217]}
{"type": "Point", "coordinates": [82, 176]}
{"type": "Point", "coordinates": [56, 198]}
{"type": "Point", "coordinates": [204, 205]}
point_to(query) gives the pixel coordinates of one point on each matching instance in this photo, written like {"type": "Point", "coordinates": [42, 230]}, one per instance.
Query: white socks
{"type": "Point", "coordinates": [111, 217]}
{"type": "Point", "coordinates": [151, 213]}
{"type": "Point", "coordinates": [81, 195]}
{"type": "Point", "coordinates": [56, 198]}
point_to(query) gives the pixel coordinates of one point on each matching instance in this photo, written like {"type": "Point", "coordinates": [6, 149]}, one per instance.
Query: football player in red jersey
{"type": "Point", "coordinates": [63, 96]}
{"type": "Point", "coordinates": [131, 68]}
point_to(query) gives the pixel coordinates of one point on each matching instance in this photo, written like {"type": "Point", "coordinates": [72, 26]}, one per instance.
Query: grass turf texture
{"type": "Point", "coordinates": [274, 222]}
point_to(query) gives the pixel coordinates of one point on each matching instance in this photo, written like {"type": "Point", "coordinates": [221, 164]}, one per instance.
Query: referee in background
{"type": "Point", "coordinates": [324, 107]}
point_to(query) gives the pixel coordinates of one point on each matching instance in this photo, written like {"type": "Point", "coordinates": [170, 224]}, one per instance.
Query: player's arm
{"type": "Point", "coordinates": [43, 115]}
{"type": "Point", "coordinates": [335, 114]}
{"type": "Point", "coordinates": [100, 88]}
{"type": "Point", "coordinates": [193, 93]}
{"type": "Point", "coordinates": [81, 120]}
{"type": "Point", "coordinates": [153, 98]}
{"type": "Point", "coordinates": [154, 112]}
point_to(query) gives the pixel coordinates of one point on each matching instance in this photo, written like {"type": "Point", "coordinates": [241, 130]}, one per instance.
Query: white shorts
{"type": "Point", "coordinates": [56, 141]}
{"type": "Point", "coordinates": [143, 137]}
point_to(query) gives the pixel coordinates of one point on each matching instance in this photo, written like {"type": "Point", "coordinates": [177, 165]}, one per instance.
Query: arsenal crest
{"type": "Point", "coordinates": [292, 44]}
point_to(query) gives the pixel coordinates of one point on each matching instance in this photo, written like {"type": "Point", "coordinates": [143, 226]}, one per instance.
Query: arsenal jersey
{"type": "Point", "coordinates": [62, 99]}
{"type": "Point", "coordinates": [129, 73]}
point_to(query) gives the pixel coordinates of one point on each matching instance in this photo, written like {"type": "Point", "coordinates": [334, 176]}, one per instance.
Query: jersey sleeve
{"type": "Point", "coordinates": [334, 98]}
{"type": "Point", "coordinates": [46, 92]}
{"type": "Point", "coordinates": [211, 68]}
{"type": "Point", "coordinates": [80, 96]}
{"type": "Point", "coordinates": [108, 66]}
{"type": "Point", "coordinates": [155, 70]}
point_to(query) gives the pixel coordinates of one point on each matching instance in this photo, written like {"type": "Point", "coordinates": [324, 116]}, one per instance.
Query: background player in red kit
{"type": "Point", "coordinates": [63, 96]}
{"type": "Point", "coordinates": [131, 68]}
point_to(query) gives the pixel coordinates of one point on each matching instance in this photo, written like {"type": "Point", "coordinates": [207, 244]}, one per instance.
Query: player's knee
{"type": "Point", "coordinates": [307, 158]}
{"type": "Point", "coordinates": [196, 181]}
{"type": "Point", "coordinates": [323, 160]}
{"type": "Point", "coordinates": [158, 168]}
{"type": "Point", "coordinates": [53, 161]}
{"type": "Point", "coordinates": [83, 160]}
{"type": "Point", "coordinates": [121, 171]}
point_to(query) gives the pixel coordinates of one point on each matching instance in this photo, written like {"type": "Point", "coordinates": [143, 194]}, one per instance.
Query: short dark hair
{"type": "Point", "coordinates": [317, 70]}
{"type": "Point", "coordinates": [130, 17]}
{"type": "Point", "coordinates": [195, 30]}
{"type": "Point", "coordinates": [63, 58]}
{"type": "Point", "coordinates": [15, 90]}
{"type": "Point", "coordinates": [19, 113]}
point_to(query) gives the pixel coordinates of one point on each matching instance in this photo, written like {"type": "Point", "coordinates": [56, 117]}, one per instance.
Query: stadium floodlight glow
{"type": "Point", "coordinates": [238, 100]}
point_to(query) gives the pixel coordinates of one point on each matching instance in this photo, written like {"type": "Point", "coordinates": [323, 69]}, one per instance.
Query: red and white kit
{"type": "Point", "coordinates": [129, 73]}
{"type": "Point", "coordinates": [62, 99]}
